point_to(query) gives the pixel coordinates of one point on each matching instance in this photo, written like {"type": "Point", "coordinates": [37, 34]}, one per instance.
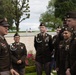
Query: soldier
{"type": "Point", "coordinates": [5, 60]}
{"type": "Point", "coordinates": [71, 22]}
{"type": "Point", "coordinates": [55, 45]}
{"type": "Point", "coordinates": [18, 53]}
{"type": "Point", "coordinates": [43, 47]}
{"type": "Point", "coordinates": [62, 54]}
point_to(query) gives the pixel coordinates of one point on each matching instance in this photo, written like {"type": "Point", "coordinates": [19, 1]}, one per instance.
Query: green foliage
{"type": "Point", "coordinates": [34, 73]}
{"type": "Point", "coordinates": [50, 20]}
{"type": "Point", "coordinates": [64, 6]}
{"type": "Point", "coordinates": [48, 17]}
{"type": "Point", "coordinates": [56, 11]}
{"type": "Point", "coordinates": [14, 10]}
{"type": "Point", "coordinates": [21, 8]}
{"type": "Point", "coordinates": [12, 29]}
{"type": "Point", "coordinates": [30, 69]}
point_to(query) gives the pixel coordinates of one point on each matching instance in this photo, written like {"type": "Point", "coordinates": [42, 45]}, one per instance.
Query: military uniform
{"type": "Point", "coordinates": [62, 56]}
{"type": "Point", "coordinates": [72, 49]}
{"type": "Point", "coordinates": [18, 52]}
{"type": "Point", "coordinates": [72, 56]}
{"type": "Point", "coordinates": [5, 60]}
{"type": "Point", "coordinates": [43, 47]}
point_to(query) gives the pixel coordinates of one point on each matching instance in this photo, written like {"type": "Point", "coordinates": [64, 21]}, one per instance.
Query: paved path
{"type": "Point", "coordinates": [26, 34]}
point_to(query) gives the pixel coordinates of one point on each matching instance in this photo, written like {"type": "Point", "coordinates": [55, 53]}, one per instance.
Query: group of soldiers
{"type": "Point", "coordinates": [63, 44]}
{"type": "Point", "coordinates": [12, 57]}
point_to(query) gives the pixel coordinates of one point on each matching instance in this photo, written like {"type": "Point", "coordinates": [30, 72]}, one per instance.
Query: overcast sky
{"type": "Point", "coordinates": [37, 7]}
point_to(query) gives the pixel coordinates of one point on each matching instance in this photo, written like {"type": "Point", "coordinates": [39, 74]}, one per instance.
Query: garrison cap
{"type": "Point", "coordinates": [71, 14]}
{"type": "Point", "coordinates": [42, 24]}
{"type": "Point", "coordinates": [3, 22]}
{"type": "Point", "coordinates": [16, 34]}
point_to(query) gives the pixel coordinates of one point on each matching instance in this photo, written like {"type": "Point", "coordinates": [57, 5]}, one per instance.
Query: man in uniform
{"type": "Point", "coordinates": [71, 22]}
{"type": "Point", "coordinates": [5, 60]}
{"type": "Point", "coordinates": [43, 47]}
{"type": "Point", "coordinates": [18, 53]}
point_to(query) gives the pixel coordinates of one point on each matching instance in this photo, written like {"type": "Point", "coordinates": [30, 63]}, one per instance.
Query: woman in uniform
{"type": "Point", "coordinates": [63, 49]}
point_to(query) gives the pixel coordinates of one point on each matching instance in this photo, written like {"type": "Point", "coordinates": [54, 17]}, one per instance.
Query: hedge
{"type": "Point", "coordinates": [30, 69]}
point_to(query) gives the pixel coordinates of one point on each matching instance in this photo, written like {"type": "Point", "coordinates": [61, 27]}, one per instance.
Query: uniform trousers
{"type": "Point", "coordinates": [21, 71]}
{"type": "Point", "coordinates": [40, 67]}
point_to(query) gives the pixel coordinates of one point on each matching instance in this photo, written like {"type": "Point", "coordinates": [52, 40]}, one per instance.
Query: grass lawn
{"type": "Point", "coordinates": [31, 70]}
{"type": "Point", "coordinates": [32, 73]}
{"type": "Point", "coordinates": [36, 74]}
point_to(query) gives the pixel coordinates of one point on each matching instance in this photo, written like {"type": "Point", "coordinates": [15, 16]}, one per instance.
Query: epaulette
{"type": "Point", "coordinates": [37, 35]}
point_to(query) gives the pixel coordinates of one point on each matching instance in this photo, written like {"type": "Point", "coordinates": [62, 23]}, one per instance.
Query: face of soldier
{"type": "Point", "coordinates": [66, 34]}
{"type": "Point", "coordinates": [71, 22]}
{"type": "Point", "coordinates": [58, 30]}
{"type": "Point", "coordinates": [3, 30]}
{"type": "Point", "coordinates": [42, 29]}
{"type": "Point", "coordinates": [17, 39]}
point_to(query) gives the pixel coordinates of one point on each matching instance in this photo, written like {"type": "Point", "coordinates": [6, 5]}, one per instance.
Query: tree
{"type": "Point", "coordinates": [64, 6]}
{"type": "Point", "coordinates": [21, 8]}
{"type": "Point", "coordinates": [49, 18]}
{"type": "Point", "coordinates": [15, 10]}
{"type": "Point", "coordinates": [8, 11]}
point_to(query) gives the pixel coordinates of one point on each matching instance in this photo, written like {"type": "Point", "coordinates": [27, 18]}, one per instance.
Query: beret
{"type": "Point", "coordinates": [71, 14]}
{"type": "Point", "coordinates": [68, 29]}
{"type": "Point", "coordinates": [16, 34]}
{"type": "Point", "coordinates": [42, 24]}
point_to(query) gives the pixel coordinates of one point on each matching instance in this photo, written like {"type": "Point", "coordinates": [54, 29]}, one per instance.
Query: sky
{"type": "Point", "coordinates": [37, 7]}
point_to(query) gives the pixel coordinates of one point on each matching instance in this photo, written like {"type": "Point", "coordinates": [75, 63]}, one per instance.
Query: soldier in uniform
{"type": "Point", "coordinates": [43, 47]}
{"type": "Point", "coordinates": [55, 42]}
{"type": "Point", "coordinates": [71, 22]}
{"type": "Point", "coordinates": [5, 60]}
{"type": "Point", "coordinates": [62, 54]}
{"type": "Point", "coordinates": [18, 53]}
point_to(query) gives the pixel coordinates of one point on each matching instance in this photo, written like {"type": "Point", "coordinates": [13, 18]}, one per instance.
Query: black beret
{"type": "Point", "coordinates": [42, 24]}
{"type": "Point", "coordinates": [16, 34]}
{"type": "Point", "coordinates": [3, 22]}
{"type": "Point", "coordinates": [71, 14]}
{"type": "Point", "coordinates": [68, 29]}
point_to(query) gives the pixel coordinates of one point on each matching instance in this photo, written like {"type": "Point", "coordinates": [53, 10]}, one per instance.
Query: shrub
{"type": "Point", "coordinates": [30, 69]}
{"type": "Point", "coordinates": [30, 59]}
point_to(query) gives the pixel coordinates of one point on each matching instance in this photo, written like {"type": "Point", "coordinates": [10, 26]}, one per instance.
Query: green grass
{"type": "Point", "coordinates": [36, 74]}
{"type": "Point", "coordinates": [31, 70]}
{"type": "Point", "coordinates": [33, 73]}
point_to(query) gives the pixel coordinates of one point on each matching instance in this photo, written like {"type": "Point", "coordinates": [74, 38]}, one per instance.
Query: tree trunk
{"type": "Point", "coordinates": [17, 27]}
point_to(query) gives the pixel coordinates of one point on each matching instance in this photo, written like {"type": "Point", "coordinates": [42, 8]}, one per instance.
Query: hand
{"type": "Point", "coordinates": [68, 72]}
{"type": "Point", "coordinates": [13, 72]}
{"type": "Point", "coordinates": [19, 61]}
